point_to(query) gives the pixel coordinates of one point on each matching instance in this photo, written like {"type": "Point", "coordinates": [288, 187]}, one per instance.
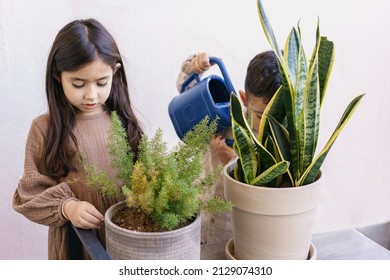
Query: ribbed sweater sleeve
{"type": "Point", "coordinates": [185, 72]}
{"type": "Point", "coordinates": [39, 197]}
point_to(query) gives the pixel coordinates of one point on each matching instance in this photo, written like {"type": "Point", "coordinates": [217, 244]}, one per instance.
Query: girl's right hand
{"type": "Point", "coordinates": [83, 214]}
{"type": "Point", "coordinates": [200, 63]}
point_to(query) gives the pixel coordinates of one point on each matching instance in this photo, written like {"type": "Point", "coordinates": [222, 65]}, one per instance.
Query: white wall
{"type": "Point", "coordinates": [155, 36]}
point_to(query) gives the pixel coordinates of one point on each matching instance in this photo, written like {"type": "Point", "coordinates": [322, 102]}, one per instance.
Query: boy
{"type": "Point", "coordinates": [261, 82]}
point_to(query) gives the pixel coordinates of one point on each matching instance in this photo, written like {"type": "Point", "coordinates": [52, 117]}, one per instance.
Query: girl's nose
{"type": "Point", "coordinates": [90, 93]}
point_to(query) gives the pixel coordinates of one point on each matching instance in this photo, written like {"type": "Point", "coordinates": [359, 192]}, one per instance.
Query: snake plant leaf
{"type": "Point", "coordinates": [237, 172]}
{"type": "Point", "coordinates": [275, 105]}
{"type": "Point", "coordinates": [291, 54]}
{"type": "Point", "coordinates": [325, 64]}
{"type": "Point", "coordinates": [251, 152]}
{"type": "Point", "coordinates": [269, 33]}
{"type": "Point", "coordinates": [270, 174]}
{"type": "Point", "coordinates": [270, 145]}
{"type": "Point", "coordinates": [310, 115]}
{"type": "Point", "coordinates": [289, 128]}
{"type": "Point", "coordinates": [287, 88]}
{"type": "Point", "coordinates": [246, 152]}
{"type": "Point", "coordinates": [240, 126]}
{"type": "Point", "coordinates": [275, 108]}
{"type": "Point", "coordinates": [250, 116]}
{"type": "Point", "coordinates": [297, 61]}
{"type": "Point", "coordinates": [244, 146]}
{"type": "Point", "coordinates": [311, 172]}
{"type": "Point", "coordinates": [239, 119]}
{"type": "Point", "coordinates": [264, 156]}
{"type": "Point", "coordinates": [301, 77]}
{"type": "Point", "coordinates": [318, 41]}
{"type": "Point", "coordinates": [282, 143]}
{"type": "Point", "coordinates": [238, 115]}
{"type": "Point", "coordinates": [292, 128]}
{"type": "Point", "coordinates": [290, 106]}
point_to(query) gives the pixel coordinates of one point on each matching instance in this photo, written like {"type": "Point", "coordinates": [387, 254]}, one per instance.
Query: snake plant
{"type": "Point", "coordinates": [283, 152]}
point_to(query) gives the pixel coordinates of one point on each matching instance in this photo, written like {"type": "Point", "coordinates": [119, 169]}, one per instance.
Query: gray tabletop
{"type": "Point", "coordinates": [337, 245]}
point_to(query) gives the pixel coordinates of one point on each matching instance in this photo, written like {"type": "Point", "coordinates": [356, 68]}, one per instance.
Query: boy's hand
{"type": "Point", "coordinates": [200, 63]}
{"type": "Point", "coordinates": [83, 214]}
{"type": "Point", "coordinates": [221, 150]}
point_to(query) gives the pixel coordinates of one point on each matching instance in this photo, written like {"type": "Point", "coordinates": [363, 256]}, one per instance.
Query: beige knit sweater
{"type": "Point", "coordinates": [39, 197]}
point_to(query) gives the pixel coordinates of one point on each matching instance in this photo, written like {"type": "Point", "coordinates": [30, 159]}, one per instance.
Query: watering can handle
{"type": "Point", "coordinates": [189, 80]}
{"type": "Point", "coordinates": [225, 74]}
{"type": "Point", "coordinates": [221, 66]}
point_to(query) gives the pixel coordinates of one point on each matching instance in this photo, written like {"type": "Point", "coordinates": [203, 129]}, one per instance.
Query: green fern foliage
{"type": "Point", "coordinates": [169, 185]}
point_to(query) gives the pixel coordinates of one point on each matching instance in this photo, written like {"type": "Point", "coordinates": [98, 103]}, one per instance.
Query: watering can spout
{"type": "Point", "coordinates": [208, 97]}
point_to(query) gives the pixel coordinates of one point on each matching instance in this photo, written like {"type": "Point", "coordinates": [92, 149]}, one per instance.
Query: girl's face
{"type": "Point", "coordinates": [88, 88]}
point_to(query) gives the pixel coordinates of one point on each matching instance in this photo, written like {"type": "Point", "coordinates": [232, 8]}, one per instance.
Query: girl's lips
{"type": "Point", "coordinates": [90, 106]}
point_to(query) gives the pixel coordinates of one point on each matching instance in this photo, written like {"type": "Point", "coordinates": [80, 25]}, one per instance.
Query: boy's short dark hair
{"type": "Point", "coordinates": [263, 77]}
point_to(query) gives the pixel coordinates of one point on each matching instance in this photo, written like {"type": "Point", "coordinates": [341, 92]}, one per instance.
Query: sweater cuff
{"type": "Point", "coordinates": [186, 66]}
{"type": "Point", "coordinates": [62, 206]}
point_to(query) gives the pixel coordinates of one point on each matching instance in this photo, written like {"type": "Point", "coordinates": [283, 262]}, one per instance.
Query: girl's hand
{"type": "Point", "coordinates": [83, 214]}
{"type": "Point", "coordinates": [200, 63]}
{"type": "Point", "coordinates": [221, 150]}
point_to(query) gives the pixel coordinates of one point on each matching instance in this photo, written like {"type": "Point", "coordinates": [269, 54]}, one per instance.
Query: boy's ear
{"type": "Point", "coordinates": [243, 97]}
{"type": "Point", "coordinates": [117, 66]}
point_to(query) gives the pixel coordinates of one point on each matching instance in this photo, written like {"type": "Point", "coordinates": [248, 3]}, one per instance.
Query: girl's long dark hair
{"type": "Point", "coordinates": [77, 44]}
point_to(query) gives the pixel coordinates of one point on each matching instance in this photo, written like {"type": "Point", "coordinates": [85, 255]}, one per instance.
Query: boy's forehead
{"type": "Point", "coordinates": [258, 103]}
{"type": "Point", "coordinates": [257, 99]}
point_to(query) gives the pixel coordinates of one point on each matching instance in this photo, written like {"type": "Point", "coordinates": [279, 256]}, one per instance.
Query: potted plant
{"type": "Point", "coordinates": [162, 194]}
{"type": "Point", "coordinates": [275, 182]}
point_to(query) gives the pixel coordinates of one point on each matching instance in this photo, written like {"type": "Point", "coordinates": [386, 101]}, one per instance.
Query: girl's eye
{"type": "Point", "coordinates": [102, 84]}
{"type": "Point", "coordinates": [78, 85]}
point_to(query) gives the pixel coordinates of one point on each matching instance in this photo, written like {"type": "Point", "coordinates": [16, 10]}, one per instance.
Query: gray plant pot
{"type": "Point", "coordinates": [124, 244]}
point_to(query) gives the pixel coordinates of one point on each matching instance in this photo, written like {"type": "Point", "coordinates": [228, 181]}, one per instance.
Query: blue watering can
{"type": "Point", "coordinates": [209, 96]}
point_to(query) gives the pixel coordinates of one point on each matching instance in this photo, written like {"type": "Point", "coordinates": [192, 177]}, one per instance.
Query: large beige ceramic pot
{"type": "Point", "coordinates": [271, 223]}
{"type": "Point", "coordinates": [124, 244]}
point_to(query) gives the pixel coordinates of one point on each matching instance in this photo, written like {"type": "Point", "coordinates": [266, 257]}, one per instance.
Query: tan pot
{"type": "Point", "coordinates": [124, 244]}
{"type": "Point", "coordinates": [271, 223]}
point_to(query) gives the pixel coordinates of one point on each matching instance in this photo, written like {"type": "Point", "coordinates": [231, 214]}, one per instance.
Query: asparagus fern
{"type": "Point", "coordinates": [166, 184]}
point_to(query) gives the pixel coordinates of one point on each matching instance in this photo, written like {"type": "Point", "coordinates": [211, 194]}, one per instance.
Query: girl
{"type": "Point", "coordinates": [85, 81]}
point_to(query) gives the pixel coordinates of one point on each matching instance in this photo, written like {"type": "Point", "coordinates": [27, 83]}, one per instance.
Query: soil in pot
{"type": "Point", "coordinates": [138, 220]}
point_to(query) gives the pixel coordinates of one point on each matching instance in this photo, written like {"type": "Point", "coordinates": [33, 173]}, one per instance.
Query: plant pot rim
{"type": "Point", "coordinates": [230, 165]}
{"type": "Point", "coordinates": [271, 201]}
{"type": "Point", "coordinates": [119, 205]}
